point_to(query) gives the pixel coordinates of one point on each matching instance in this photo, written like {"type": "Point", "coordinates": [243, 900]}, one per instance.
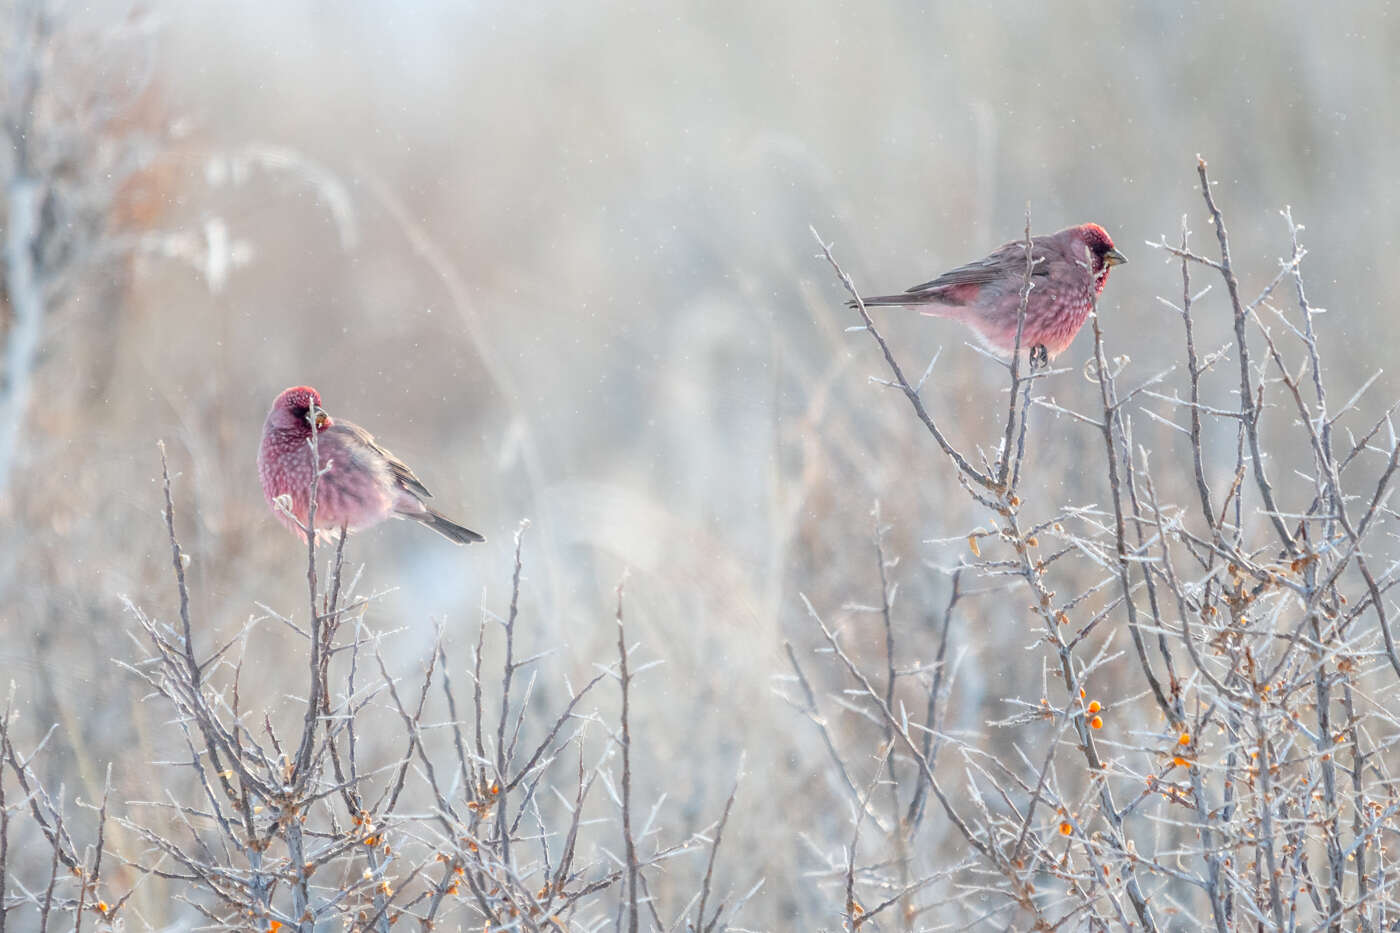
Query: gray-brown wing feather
{"type": "Point", "coordinates": [993, 268]}
{"type": "Point", "coordinates": [405, 480]}
{"type": "Point", "coordinates": [397, 468]}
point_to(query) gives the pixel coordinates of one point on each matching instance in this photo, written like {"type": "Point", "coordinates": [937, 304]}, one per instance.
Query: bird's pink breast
{"type": "Point", "coordinates": [351, 491]}
{"type": "Point", "coordinates": [1054, 314]}
{"type": "Point", "coordinates": [284, 467]}
{"type": "Point", "coordinates": [1057, 320]}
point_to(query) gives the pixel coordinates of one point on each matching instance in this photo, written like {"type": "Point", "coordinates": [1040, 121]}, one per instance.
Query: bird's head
{"type": "Point", "coordinates": [1099, 246]}
{"type": "Point", "coordinates": [296, 409]}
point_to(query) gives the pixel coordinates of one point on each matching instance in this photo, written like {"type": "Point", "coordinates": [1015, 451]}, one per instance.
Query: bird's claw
{"type": "Point", "coordinates": [1040, 357]}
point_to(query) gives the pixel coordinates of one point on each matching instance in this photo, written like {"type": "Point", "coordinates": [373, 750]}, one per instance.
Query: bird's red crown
{"type": "Point", "coordinates": [1096, 238]}
{"type": "Point", "coordinates": [299, 397]}
{"type": "Point", "coordinates": [295, 403]}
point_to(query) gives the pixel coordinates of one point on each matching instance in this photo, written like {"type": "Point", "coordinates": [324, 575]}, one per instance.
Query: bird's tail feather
{"type": "Point", "coordinates": [876, 301]}
{"type": "Point", "coordinates": [924, 304]}
{"type": "Point", "coordinates": [444, 526]}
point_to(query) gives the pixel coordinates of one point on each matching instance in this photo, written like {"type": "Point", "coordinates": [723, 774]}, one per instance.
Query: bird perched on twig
{"type": "Point", "coordinates": [1071, 267]}
{"type": "Point", "coordinates": [361, 483]}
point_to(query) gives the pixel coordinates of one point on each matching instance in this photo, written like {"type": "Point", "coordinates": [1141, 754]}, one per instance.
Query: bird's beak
{"type": "Point", "coordinates": [1114, 258]}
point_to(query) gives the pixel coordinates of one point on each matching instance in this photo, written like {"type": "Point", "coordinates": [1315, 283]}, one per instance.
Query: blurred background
{"type": "Point", "coordinates": [557, 257]}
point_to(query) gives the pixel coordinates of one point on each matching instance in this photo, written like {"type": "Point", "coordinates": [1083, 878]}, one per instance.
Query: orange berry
{"type": "Point", "coordinates": [1096, 722]}
{"type": "Point", "coordinates": [1094, 706]}
{"type": "Point", "coordinates": [1065, 828]}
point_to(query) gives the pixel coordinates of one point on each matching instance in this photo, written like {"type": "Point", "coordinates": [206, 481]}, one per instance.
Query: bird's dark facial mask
{"type": "Point", "coordinates": [321, 420]}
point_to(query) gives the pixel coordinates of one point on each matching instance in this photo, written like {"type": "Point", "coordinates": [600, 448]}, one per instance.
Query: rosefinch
{"type": "Point", "coordinates": [1070, 271]}
{"type": "Point", "coordinates": [362, 483]}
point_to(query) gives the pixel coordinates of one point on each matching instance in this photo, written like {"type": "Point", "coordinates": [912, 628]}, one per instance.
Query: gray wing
{"type": "Point", "coordinates": [397, 468]}
{"type": "Point", "coordinates": [1009, 257]}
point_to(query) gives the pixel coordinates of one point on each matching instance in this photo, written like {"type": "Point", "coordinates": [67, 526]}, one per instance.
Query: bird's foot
{"type": "Point", "coordinates": [1040, 357]}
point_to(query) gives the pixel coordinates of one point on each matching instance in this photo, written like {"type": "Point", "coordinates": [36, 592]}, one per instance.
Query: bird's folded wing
{"type": "Point", "coordinates": [400, 471]}
{"type": "Point", "coordinates": [405, 476]}
{"type": "Point", "coordinates": [993, 268]}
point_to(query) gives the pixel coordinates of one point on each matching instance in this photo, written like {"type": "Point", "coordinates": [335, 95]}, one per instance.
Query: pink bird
{"type": "Point", "coordinates": [361, 484]}
{"type": "Point", "coordinates": [1071, 267]}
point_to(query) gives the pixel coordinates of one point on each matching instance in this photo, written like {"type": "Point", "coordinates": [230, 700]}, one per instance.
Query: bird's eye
{"type": "Point", "coordinates": [300, 411]}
